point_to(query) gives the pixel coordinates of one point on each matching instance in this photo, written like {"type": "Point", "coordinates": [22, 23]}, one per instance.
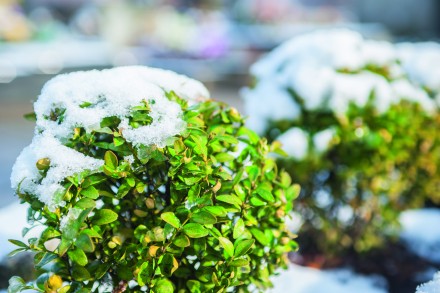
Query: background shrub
{"type": "Point", "coordinates": [359, 120]}
{"type": "Point", "coordinates": [144, 184]}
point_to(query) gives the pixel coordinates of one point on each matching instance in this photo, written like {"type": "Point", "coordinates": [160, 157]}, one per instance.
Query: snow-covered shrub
{"type": "Point", "coordinates": [359, 120]}
{"type": "Point", "coordinates": [144, 184]}
{"type": "Point", "coordinates": [430, 287]}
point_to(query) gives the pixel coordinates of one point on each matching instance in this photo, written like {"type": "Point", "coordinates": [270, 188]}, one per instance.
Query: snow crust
{"type": "Point", "coordinates": [83, 99]}
{"type": "Point", "coordinates": [329, 69]}
{"type": "Point", "coordinates": [431, 286]}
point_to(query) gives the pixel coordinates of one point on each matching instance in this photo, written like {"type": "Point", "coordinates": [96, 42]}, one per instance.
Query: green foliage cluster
{"type": "Point", "coordinates": [204, 214]}
{"type": "Point", "coordinates": [376, 165]}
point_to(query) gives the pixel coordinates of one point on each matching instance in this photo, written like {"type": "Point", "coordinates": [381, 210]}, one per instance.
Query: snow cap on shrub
{"type": "Point", "coordinates": [84, 99]}
{"type": "Point", "coordinates": [347, 69]}
{"type": "Point", "coordinates": [140, 183]}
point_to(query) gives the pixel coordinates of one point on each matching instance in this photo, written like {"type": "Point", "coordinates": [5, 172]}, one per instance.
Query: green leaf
{"type": "Point", "coordinates": [224, 157]}
{"type": "Point", "coordinates": [253, 137]}
{"type": "Point", "coordinates": [260, 236]}
{"type": "Point", "coordinates": [230, 198]}
{"type": "Point", "coordinates": [226, 138]}
{"type": "Point", "coordinates": [239, 263]}
{"type": "Point", "coordinates": [16, 284]}
{"type": "Point", "coordinates": [217, 211]}
{"type": "Point", "coordinates": [118, 141]}
{"type": "Point", "coordinates": [238, 228]}
{"type": "Point", "coordinates": [193, 286]}
{"type": "Point", "coordinates": [164, 286]}
{"type": "Point", "coordinates": [85, 203]}
{"type": "Point", "coordinates": [239, 190]}
{"type": "Point", "coordinates": [224, 175]}
{"type": "Point", "coordinates": [200, 145]}
{"type": "Point", "coordinates": [237, 177]}
{"type": "Point", "coordinates": [85, 243]}
{"type": "Point", "coordinates": [90, 192]}
{"type": "Point", "coordinates": [182, 241]}
{"type": "Point", "coordinates": [204, 218]}
{"type": "Point", "coordinates": [265, 194]}
{"type": "Point", "coordinates": [91, 233]}
{"type": "Point", "coordinates": [16, 251]}
{"type": "Point", "coordinates": [145, 273]}
{"type": "Point", "coordinates": [18, 243]}
{"type": "Point", "coordinates": [256, 201]}
{"type": "Point", "coordinates": [243, 246]}
{"type": "Point", "coordinates": [44, 259]}
{"type": "Point", "coordinates": [111, 160]}
{"type": "Point", "coordinates": [253, 172]}
{"type": "Point", "coordinates": [80, 273]}
{"type": "Point", "coordinates": [77, 255]}
{"type": "Point", "coordinates": [227, 245]}
{"type": "Point", "coordinates": [293, 192]}
{"type": "Point", "coordinates": [171, 219]}
{"type": "Point", "coordinates": [64, 246]}
{"type": "Point", "coordinates": [168, 264]}
{"type": "Point", "coordinates": [104, 216]}
{"type": "Point", "coordinates": [32, 117]}
{"type": "Point", "coordinates": [194, 230]}
{"type": "Point", "coordinates": [123, 190]}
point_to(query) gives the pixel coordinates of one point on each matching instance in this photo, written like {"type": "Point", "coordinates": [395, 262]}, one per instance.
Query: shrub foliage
{"type": "Point", "coordinates": [361, 131]}
{"type": "Point", "coordinates": [205, 213]}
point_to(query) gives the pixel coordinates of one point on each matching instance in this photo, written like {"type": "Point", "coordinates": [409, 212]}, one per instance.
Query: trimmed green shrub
{"type": "Point", "coordinates": [361, 130]}
{"type": "Point", "coordinates": [144, 184]}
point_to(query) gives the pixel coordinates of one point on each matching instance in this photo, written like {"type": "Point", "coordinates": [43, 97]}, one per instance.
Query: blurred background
{"type": "Point", "coordinates": [213, 41]}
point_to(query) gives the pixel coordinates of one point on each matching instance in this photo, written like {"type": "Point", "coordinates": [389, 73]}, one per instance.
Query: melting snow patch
{"type": "Point", "coordinates": [421, 233]}
{"type": "Point", "coordinates": [299, 279]}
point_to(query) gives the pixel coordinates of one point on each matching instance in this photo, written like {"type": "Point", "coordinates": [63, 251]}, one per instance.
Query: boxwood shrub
{"type": "Point", "coordinates": [359, 120]}
{"type": "Point", "coordinates": [168, 192]}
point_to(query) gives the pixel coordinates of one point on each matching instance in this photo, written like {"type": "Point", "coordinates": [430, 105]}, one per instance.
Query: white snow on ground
{"type": "Point", "coordinates": [432, 286]}
{"type": "Point", "coordinates": [299, 279]}
{"type": "Point", "coordinates": [421, 232]}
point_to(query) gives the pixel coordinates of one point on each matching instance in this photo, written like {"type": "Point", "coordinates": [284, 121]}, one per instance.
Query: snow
{"type": "Point", "coordinates": [71, 216]}
{"type": "Point", "coordinates": [430, 287]}
{"type": "Point", "coordinates": [83, 99]}
{"type": "Point", "coordinates": [114, 92]}
{"type": "Point", "coordinates": [295, 142]}
{"type": "Point", "coordinates": [299, 279]}
{"type": "Point", "coordinates": [329, 69]}
{"type": "Point", "coordinates": [64, 162]}
{"type": "Point", "coordinates": [278, 105]}
{"type": "Point", "coordinates": [322, 139]}
{"type": "Point", "coordinates": [418, 59]}
{"type": "Point", "coordinates": [420, 232]}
